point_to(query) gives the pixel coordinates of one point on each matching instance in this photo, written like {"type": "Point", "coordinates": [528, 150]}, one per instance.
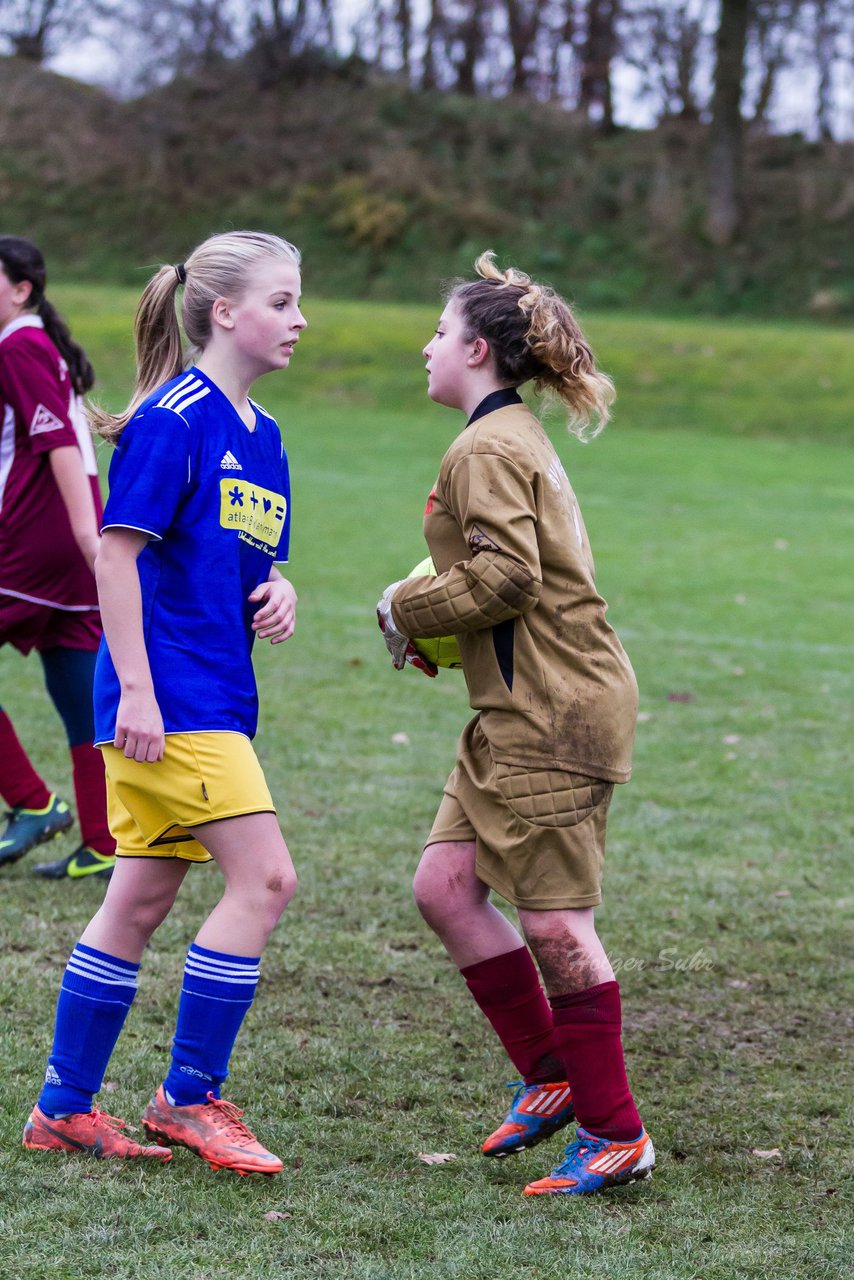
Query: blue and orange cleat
{"type": "Point", "coordinates": [536, 1112]}
{"type": "Point", "coordinates": [595, 1164]}
{"type": "Point", "coordinates": [212, 1130]}
{"type": "Point", "coordinates": [26, 828]}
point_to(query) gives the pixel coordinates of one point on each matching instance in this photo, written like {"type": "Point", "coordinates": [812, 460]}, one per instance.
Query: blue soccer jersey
{"type": "Point", "coordinates": [215, 499]}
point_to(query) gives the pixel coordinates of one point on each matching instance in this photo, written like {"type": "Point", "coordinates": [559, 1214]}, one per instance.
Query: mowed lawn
{"type": "Point", "coordinates": [719, 508]}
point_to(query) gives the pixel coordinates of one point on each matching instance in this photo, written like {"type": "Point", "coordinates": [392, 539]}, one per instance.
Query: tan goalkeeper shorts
{"type": "Point", "coordinates": [540, 833]}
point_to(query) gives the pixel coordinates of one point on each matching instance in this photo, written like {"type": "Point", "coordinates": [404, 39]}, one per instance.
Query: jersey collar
{"type": "Point", "coordinates": [499, 399]}
{"type": "Point", "coordinates": [23, 322]}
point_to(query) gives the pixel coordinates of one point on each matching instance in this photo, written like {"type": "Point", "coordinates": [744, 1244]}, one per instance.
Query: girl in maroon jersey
{"type": "Point", "coordinates": [50, 509]}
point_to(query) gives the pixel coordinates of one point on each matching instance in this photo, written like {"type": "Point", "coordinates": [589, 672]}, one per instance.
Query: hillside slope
{"type": "Point", "coordinates": [387, 189]}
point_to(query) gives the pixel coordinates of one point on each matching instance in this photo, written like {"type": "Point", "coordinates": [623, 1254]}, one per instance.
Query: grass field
{"type": "Point", "coordinates": [719, 507]}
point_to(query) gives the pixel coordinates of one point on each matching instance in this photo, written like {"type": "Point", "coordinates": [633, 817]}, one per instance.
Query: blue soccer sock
{"type": "Point", "coordinates": [97, 991]}
{"type": "Point", "coordinates": [215, 998]}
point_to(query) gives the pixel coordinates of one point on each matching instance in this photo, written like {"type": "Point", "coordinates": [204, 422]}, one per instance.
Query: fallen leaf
{"type": "Point", "coordinates": [739, 984]}
{"type": "Point", "coordinates": [773, 1154]}
{"type": "Point", "coordinates": [643, 716]}
{"type": "Point", "coordinates": [782, 893]}
{"type": "Point", "coordinates": [731, 739]}
{"type": "Point", "coordinates": [110, 1086]}
{"type": "Point", "coordinates": [275, 1215]}
{"type": "Point", "coordinates": [680, 697]}
{"type": "Point", "coordinates": [439, 1157]}
{"type": "Point", "coordinates": [402, 739]}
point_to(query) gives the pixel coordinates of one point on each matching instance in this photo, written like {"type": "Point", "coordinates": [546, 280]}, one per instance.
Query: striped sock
{"type": "Point", "coordinates": [215, 998]}
{"type": "Point", "coordinates": [96, 993]}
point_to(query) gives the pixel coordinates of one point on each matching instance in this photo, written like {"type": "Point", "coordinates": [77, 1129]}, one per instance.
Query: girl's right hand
{"type": "Point", "coordinates": [139, 727]}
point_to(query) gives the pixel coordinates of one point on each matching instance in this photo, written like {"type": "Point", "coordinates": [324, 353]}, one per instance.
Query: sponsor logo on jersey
{"type": "Point", "coordinates": [43, 420]}
{"type": "Point", "coordinates": [258, 514]}
{"type": "Point", "coordinates": [229, 462]}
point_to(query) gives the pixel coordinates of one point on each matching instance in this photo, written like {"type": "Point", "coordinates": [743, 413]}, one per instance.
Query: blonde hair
{"type": "Point", "coordinates": [218, 268]}
{"type": "Point", "coordinates": [533, 334]}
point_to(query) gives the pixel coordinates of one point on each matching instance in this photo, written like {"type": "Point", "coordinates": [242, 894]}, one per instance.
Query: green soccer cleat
{"type": "Point", "coordinates": [82, 862]}
{"type": "Point", "coordinates": [28, 827]}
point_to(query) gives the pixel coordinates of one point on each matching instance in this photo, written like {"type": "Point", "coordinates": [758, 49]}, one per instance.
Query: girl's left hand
{"type": "Point", "coordinates": [276, 619]}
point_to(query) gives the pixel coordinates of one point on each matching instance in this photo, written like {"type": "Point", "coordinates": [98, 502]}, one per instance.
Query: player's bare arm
{"type": "Point", "coordinates": [139, 724]}
{"type": "Point", "coordinates": [66, 464]}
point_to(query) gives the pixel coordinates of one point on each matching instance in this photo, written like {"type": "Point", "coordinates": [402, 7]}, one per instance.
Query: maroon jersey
{"type": "Point", "coordinates": [39, 558]}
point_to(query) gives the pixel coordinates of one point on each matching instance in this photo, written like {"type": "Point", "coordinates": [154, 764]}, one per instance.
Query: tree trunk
{"type": "Point", "coordinates": [595, 93]}
{"type": "Point", "coordinates": [471, 35]}
{"type": "Point", "coordinates": [522, 24]}
{"type": "Point", "coordinates": [726, 141]}
{"type": "Point", "coordinates": [403, 17]}
{"type": "Point", "coordinates": [435, 29]}
{"type": "Point", "coordinates": [825, 51]}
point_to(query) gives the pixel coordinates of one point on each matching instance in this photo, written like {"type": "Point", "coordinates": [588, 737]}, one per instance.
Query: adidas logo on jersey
{"type": "Point", "coordinates": [229, 462]}
{"type": "Point", "coordinates": [43, 420]}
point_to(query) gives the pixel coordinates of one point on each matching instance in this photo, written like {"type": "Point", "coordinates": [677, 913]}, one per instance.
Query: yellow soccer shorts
{"type": "Point", "coordinates": [540, 833]}
{"type": "Point", "coordinates": [203, 777]}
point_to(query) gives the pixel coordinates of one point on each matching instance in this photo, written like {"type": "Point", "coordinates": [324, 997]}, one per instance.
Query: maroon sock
{"type": "Point", "coordinates": [91, 795]}
{"type": "Point", "coordinates": [507, 990]}
{"type": "Point", "coordinates": [587, 1031]}
{"type": "Point", "coordinates": [22, 788]}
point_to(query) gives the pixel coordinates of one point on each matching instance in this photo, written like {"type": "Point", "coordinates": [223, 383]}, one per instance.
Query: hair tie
{"type": "Point", "coordinates": [181, 273]}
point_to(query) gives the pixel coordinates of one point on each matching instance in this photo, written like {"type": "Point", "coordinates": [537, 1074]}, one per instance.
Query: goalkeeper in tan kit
{"type": "Point", "coordinates": [525, 808]}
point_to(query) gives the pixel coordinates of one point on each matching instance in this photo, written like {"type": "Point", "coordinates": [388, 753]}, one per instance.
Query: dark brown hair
{"type": "Point", "coordinates": [22, 261]}
{"type": "Point", "coordinates": [533, 334]}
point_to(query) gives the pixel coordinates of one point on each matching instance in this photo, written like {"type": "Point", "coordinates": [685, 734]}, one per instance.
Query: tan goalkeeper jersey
{"type": "Point", "coordinates": [516, 586]}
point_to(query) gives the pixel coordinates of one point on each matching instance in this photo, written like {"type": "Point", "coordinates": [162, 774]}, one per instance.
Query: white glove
{"type": "Point", "coordinates": [395, 641]}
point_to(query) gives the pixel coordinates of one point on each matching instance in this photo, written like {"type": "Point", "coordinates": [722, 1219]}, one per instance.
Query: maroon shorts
{"type": "Point", "coordinates": [38, 626]}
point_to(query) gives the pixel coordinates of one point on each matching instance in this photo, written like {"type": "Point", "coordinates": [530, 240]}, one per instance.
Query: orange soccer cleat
{"type": "Point", "coordinates": [92, 1134]}
{"type": "Point", "coordinates": [213, 1130]}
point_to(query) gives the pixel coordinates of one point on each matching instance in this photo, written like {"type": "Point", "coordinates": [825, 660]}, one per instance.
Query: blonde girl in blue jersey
{"type": "Point", "coordinates": [198, 514]}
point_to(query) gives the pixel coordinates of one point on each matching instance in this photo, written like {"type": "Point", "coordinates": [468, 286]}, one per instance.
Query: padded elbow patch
{"type": "Point", "coordinates": [478, 593]}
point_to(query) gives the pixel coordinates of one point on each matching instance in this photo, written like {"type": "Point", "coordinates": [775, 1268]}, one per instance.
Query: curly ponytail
{"type": "Point", "coordinates": [533, 334]}
{"type": "Point", "coordinates": [22, 261]}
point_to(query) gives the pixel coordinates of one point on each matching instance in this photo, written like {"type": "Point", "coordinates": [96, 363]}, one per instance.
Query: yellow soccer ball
{"type": "Point", "coordinates": [444, 652]}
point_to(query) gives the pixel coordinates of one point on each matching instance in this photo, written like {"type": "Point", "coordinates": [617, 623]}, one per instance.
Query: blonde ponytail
{"type": "Point", "coordinates": [218, 268]}
{"type": "Point", "coordinates": [533, 335]}
{"type": "Point", "coordinates": [159, 351]}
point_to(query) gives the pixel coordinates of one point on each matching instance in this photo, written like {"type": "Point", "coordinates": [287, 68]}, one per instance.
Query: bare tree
{"type": "Point", "coordinates": [434, 44]}
{"type": "Point", "coordinates": [667, 44]}
{"type": "Point", "coordinates": [599, 46]}
{"type": "Point", "coordinates": [523, 24]}
{"type": "Point", "coordinates": [771, 28]}
{"type": "Point", "coordinates": [726, 142]}
{"type": "Point", "coordinates": [468, 41]}
{"type": "Point", "coordinates": [404, 18]}
{"type": "Point", "coordinates": [34, 28]}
